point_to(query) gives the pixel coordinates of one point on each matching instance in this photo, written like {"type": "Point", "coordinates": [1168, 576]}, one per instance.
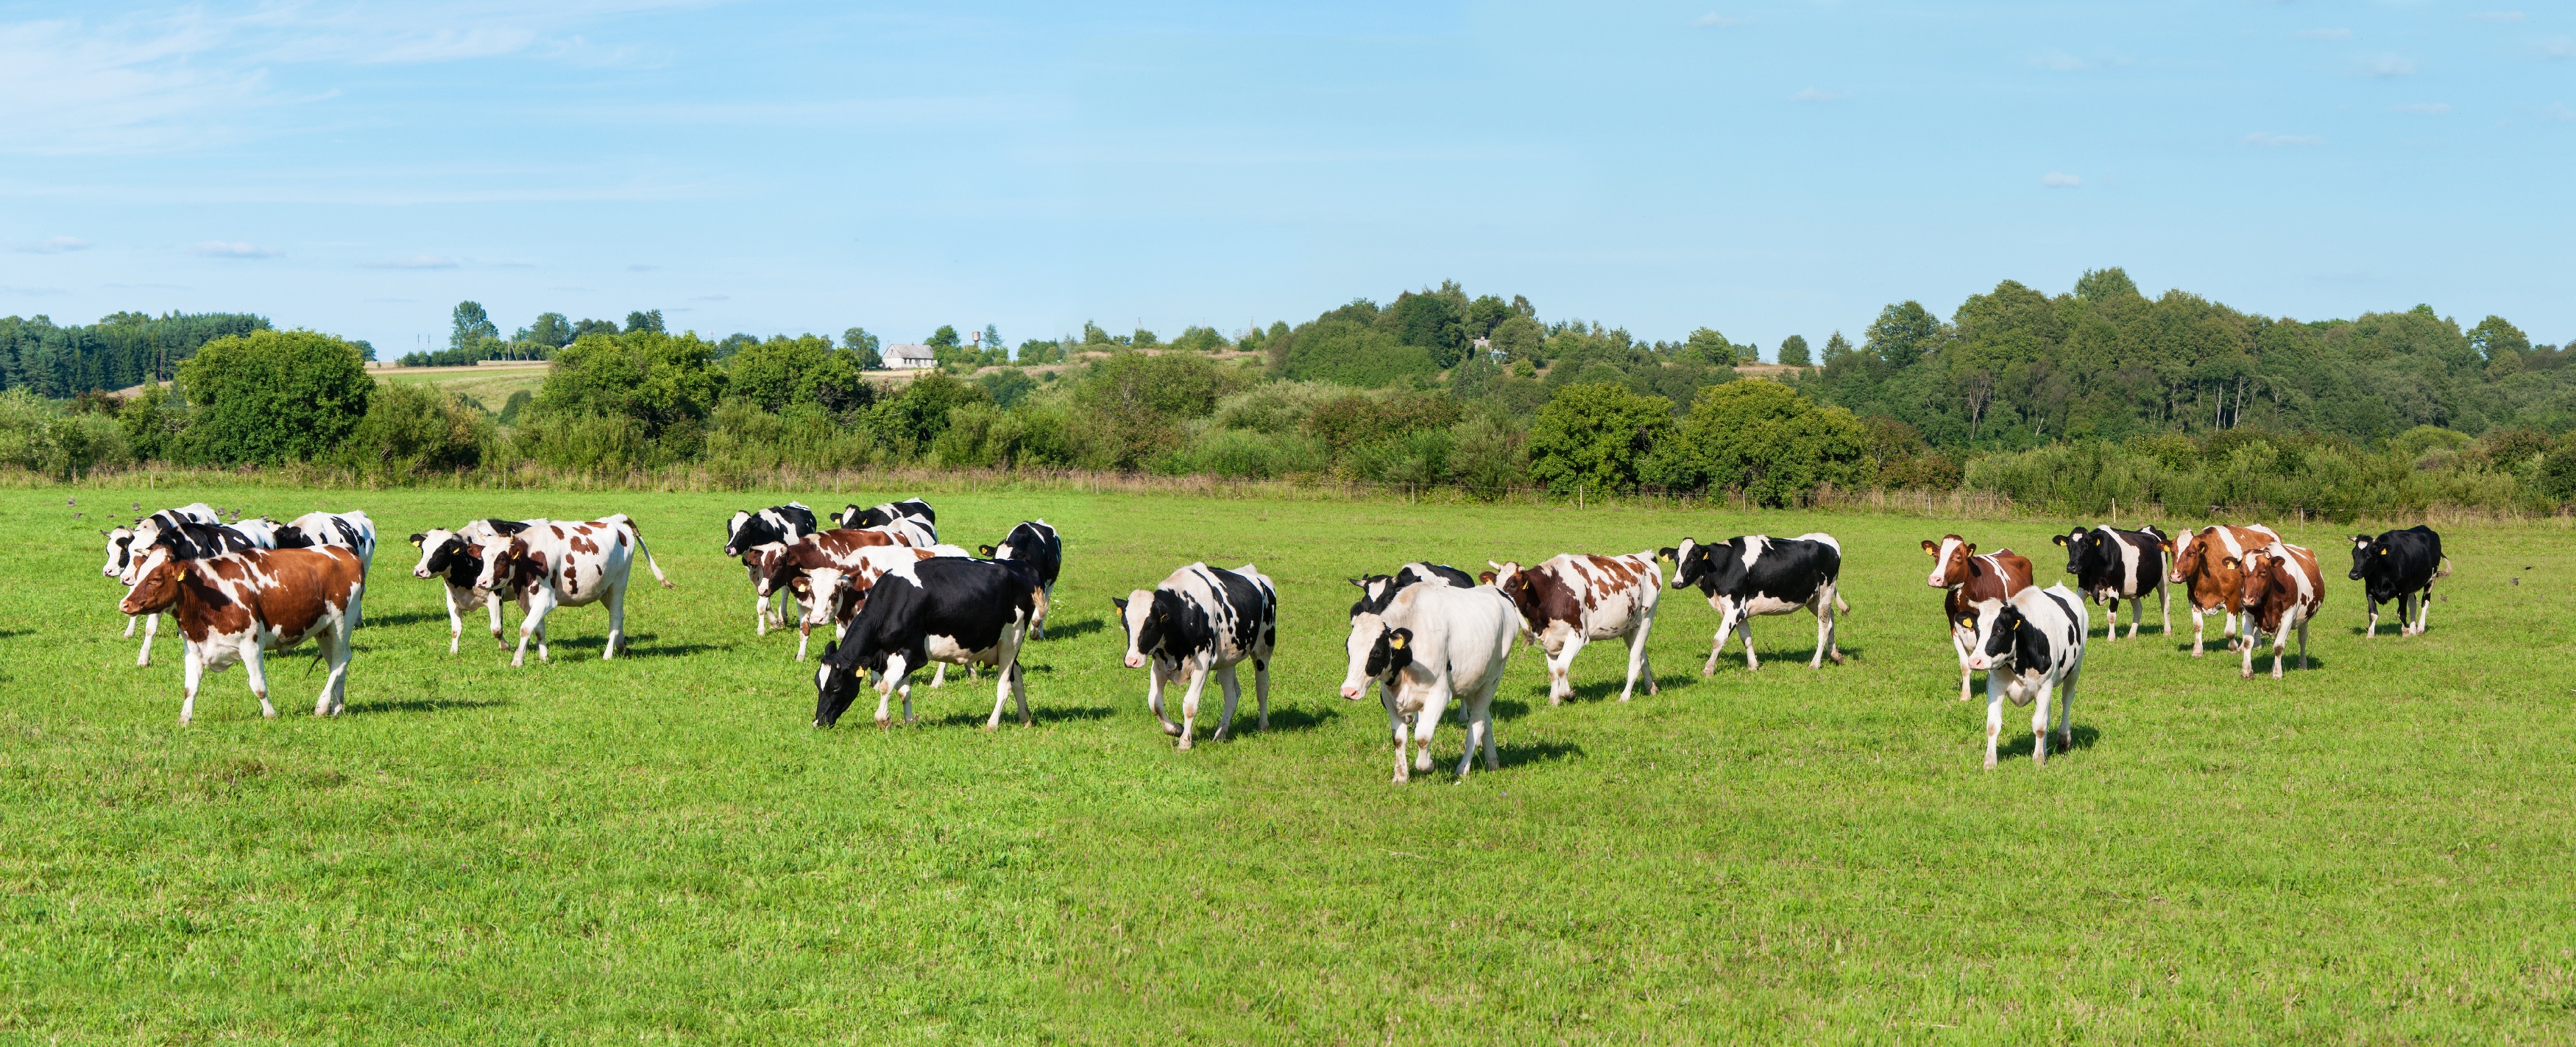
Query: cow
{"type": "Point", "coordinates": [911, 517]}
{"type": "Point", "coordinates": [1377, 590]}
{"type": "Point", "coordinates": [1202, 620]}
{"type": "Point", "coordinates": [749, 530]}
{"type": "Point", "coordinates": [778, 565]}
{"type": "Point", "coordinates": [351, 530]}
{"type": "Point", "coordinates": [1036, 542]}
{"type": "Point", "coordinates": [1426, 645]}
{"type": "Point", "coordinates": [833, 592]}
{"type": "Point", "coordinates": [557, 564]}
{"type": "Point", "coordinates": [2040, 634]}
{"type": "Point", "coordinates": [946, 609]}
{"type": "Point", "coordinates": [239, 605]}
{"type": "Point", "coordinates": [2210, 583]}
{"type": "Point", "coordinates": [1756, 575]}
{"type": "Point", "coordinates": [1974, 584]}
{"type": "Point", "coordinates": [189, 536]}
{"type": "Point", "coordinates": [2282, 590]}
{"type": "Point", "coordinates": [455, 557]}
{"type": "Point", "coordinates": [1574, 599]}
{"type": "Point", "coordinates": [2400, 566]}
{"type": "Point", "coordinates": [2111, 565]}
{"type": "Point", "coordinates": [122, 551]}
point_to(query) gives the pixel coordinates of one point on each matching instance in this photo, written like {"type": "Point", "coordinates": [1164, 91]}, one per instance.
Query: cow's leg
{"type": "Point", "coordinates": [1006, 683]}
{"type": "Point", "coordinates": [2303, 648]}
{"type": "Point", "coordinates": [1233, 685]}
{"type": "Point", "coordinates": [1157, 673]}
{"type": "Point", "coordinates": [1483, 713]}
{"type": "Point", "coordinates": [1716, 646]}
{"type": "Point", "coordinates": [1261, 690]}
{"type": "Point", "coordinates": [129, 626]}
{"type": "Point", "coordinates": [760, 617]}
{"type": "Point", "coordinates": [1636, 665]}
{"type": "Point", "coordinates": [2039, 725]}
{"type": "Point", "coordinates": [335, 653]}
{"type": "Point", "coordinates": [1959, 643]}
{"type": "Point", "coordinates": [616, 621]}
{"type": "Point", "coordinates": [151, 628]}
{"type": "Point", "coordinates": [254, 664]}
{"type": "Point", "coordinates": [2164, 604]}
{"type": "Point", "coordinates": [192, 673]}
{"type": "Point", "coordinates": [1199, 670]}
{"type": "Point", "coordinates": [1397, 722]}
{"type": "Point", "coordinates": [2113, 631]}
{"type": "Point", "coordinates": [492, 603]}
{"type": "Point", "coordinates": [455, 620]}
{"type": "Point", "coordinates": [2066, 710]}
{"type": "Point", "coordinates": [2372, 628]}
{"type": "Point", "coordinates": [1744, 628]}
{"type": "Point", "coordinates": [2281, 647]}
{"type": "Point", "coordinates": [939, 675]}
{"type": "Point", "coordinates": [1834, 611]}
{"type": "Point", "coordinates": [804, 635]}
{"type": "Point", "coordinates": [529, 628]}
{"type": "Point", "coordinates": [893, 675]}
{"type": "Point", "coordinates": [2199, 622]}
{"type": "Point", "coordinates": [2423, 608]}
{"type": "Point", "coordinates": [1426, 721]}
{"type": "Point", "coordinates": [1560, 670]}
{"type": "Point", "coordinates": [2137, 615]}
{"type": "Point", "coordinates": [2246, 671]}
{"type": "Point", "coordinates": [1994, 712]}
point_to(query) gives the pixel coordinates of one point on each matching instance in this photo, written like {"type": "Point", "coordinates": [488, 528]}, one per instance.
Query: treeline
{"type": "Point", "coordinates": [120, 350]}
{"type": "Point", "coordinates": [2088, 400]}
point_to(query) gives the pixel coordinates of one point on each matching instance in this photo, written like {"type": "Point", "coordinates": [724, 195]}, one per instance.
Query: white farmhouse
{"type": "Point", "coordinates": [910, 356]}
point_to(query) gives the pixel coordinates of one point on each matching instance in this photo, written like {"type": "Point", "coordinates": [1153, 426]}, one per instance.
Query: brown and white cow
{"type": "Point", "coordinates": [833, 593]}
{"type": "Point", "coordinates": [2282, 589]}
{"type": "Point", "coordinates": [1577, 598]}
{"type": "Point", "coordinates": [559, 564]}
{"type": "Point", "coordinates": [238, 606]}
{"type": "Point", "coordinates": [1977, 584]}
{"type": "Point", "coordinates": [787, 566]}
{"type": "Point", "coordinates": [2202, 565]}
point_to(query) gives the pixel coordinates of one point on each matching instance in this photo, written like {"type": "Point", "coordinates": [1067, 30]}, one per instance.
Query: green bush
{"type": "Point", "coordinates": [37, 434]}
{"type": "Point", "coordinates": [1596, 436]}
{"type": "Point", "coordinates": [1762, 438]}
{"type": "Point", "coordinates": [1354, 353]}
{"type": "Point", "coordinates": [1248, 454]}
{"type": "Point", "coordinates": [419, 427]}
{"type": "Point", "coordinates": [1489, 457]}
{"type": "Point", "coordinates": [272, 396]}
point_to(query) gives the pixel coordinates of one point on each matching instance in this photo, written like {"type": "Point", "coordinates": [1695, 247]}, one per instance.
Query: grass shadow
{"type": "Point", "coordinates": [1524, 753]}
{"type": "Point", "coordinates": [1068, 630]}
{"type": "Point", "coordinates": [414, 618]}
{"type": "Point", "coordinates": [425, 705]}
{"type": "Point", "coordinates": [2083, 737]}
{"type": "Point", "coordinates": [1507, 710]}
{"type": "Point", "coordinates": [11, 634]}
{"type": "Point", "coordinates": [1039, 713]}
{"type": "Point", "coordinates": [1288, 718]}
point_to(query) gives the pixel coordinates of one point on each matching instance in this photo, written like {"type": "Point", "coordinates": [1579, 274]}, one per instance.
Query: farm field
{"type": "Point", "coordinates": [661, 848]}
{"type": "Point", "coordinates": [489, 384]}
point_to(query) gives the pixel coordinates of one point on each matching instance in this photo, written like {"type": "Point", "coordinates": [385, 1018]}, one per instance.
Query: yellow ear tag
{"type": "Point", "coordinates": [2383, 552]}
{"type": "Point", "coordinates": [1396, 642]}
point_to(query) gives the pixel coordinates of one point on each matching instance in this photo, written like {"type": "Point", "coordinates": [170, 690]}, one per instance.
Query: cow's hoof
{"type": "Point", "coordinates": [1990, 763]}
{"type": "Point", "coordinates": [1172, 729]}
{"type": "Point", "coordinates": [2245, 674]}
{"type": "Point", "coordinates": [1184, 743]}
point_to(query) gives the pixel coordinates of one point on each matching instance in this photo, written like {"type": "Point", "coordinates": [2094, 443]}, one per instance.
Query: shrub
{"type": "Point", "coordinates": [418, 427]}
{"type": "Point", "coordinates": [1763, 438]}
{"type": "Point", "coordinates": [37, 434]}
{"type": "Point", "coordinates": [1489, 456]}
{"type": "Point", "coordinates": [272, 396]}
{"type": "Point", "coordinates": [1596, 436]}
{"type": "Point", "coordinates": [1245, 454]}
{"type": "Point", "coordinates": [1353, 353]}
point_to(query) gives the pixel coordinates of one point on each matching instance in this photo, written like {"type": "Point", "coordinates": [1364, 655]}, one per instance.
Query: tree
{"type": "Point", "coordinates": [417, 427]}
{"type": "Point", "coordinates": [1763, 438]}
{"type": "Point", "coordinates": [1431, 320]}
{"type": "Point", "coordinates": [943, 338]}
{"type": "Point", "coordinates": [1793, 351]}
{"type": "Point", "coordinates": [473, 327]}
{"type": "Point", "coordinates": [1352, 353]}
{"type": "Point", "coordinates": [783, 372]}
{"type": "Point", "coordinates": [1486, 313]}
{"type": "Point", "coordinates": [272, 396]}
{"type": "Point", "coordinates": [653, 378]}
{"type": "Point", "coordinates": [1144, 339]}
{"type": "Point", "coordinates": [1596, 437]}
{"type": "Point", "coordinates": [551, 330]}
{"type": "Point", "coordinates": [1520, 339]}
{"type": "Point", "coordinates": [1837, 349]}
{"type": "Point", "coordinates": [865, 346]}
{"type": "Point", "coordinates": [646, 320]}
{"type": "Point", "coordinates": [587, 328]}
{"type": "Point", "coordinates": [1904, 334]}
{"type": "Point", "coordinates": [2104, 286]}
{"type": "Point", "coordinates": [1709, 347]}
{"type": "Point", "coordinates": [920, 414]}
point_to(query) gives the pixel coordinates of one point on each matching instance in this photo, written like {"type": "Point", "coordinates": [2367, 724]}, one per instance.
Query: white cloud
{"type": "Point", "coordinates": [712, 298]}
{"type": "Point", "coordinates": [1814, 95]}
{"type": "Point", "coordinates": [2559, 112]}
{"type": "Point", "coordinates": [2496, 16]}
{"type": "Point", "coordinates": [1713, 20]}
{"type": "Point", "coordinates": [2385, 66]}
{"type": "Point", "coordinates": [2424, 108]}
{"type": "Point", "coordinates": [2058, 62]}
{"type": "Point", "coordinates": [2555, 48]}
{"type": "Point", "coordinates": [56, 245]}
{"type": "Point", "coordinates": [2269, 140]}
{"type": "Point", "coordinates": [234, 249]}
{"type": "Point", "coordinates": [2323, 34]}
{"type": "Point", "coordinates": [418, 261]}
{"type": "Point", "coordinates": [2060, 180]}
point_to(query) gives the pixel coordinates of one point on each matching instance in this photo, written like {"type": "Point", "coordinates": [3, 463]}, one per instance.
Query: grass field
{"type": "Point", "coordinates": [661, 848]}
{"type": "Point", "coordinates": [489, 384]}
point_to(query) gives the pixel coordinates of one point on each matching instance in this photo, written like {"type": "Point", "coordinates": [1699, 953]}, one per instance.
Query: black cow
{"type": "Point", "coordinates": [778, 524]}
{"type": "Point", "coordinates": [2399, 566]}
{"type": "Point", "coordinates": [889, 512]}
{"type": "Point", "coordinates": [1202, 621]}
{"type": "Point", "coordinates": [946, 609]}
{"type": "Point", "coordinates": [1035, 542]}
{"type": "Point", "coordinates": [1757, 574]}
{"type": "Point", "coordinates": [2111, 565]}
{"type": "Point", "coordinates": [1378, 590]}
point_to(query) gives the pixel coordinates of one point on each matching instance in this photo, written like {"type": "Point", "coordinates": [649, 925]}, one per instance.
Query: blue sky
{"type": "Point", "coordinates": [1762, 168]}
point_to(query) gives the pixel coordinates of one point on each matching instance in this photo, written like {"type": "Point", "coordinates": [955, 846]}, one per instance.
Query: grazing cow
{"type": "Point", "coordinates": [2111, 565]}
{"type": "Point", "coordinates": [1203, 620]}
{"type": "Point", "coordinates": [1574, 599]}
{"type": "Point", "coordinates": [557, 564]}
{"type": "Point", "coordinates": [2040, 634]}
{"type": "Point", "coordinates": [240, 605]}
{"type": "Point", "coordinates": [1036, 542]}
{"type": "Point", "coordinates": [778, 565]}
{"type": "Point", "coordinates": [2282, 590]}
{"type": "Point", "coordinates": [749, 530]}
{"type": "Point", "coordinates": [455, 557]}
{"type": "Point", "coordinates": [2202, 566]}
{"type": "Point", "coordinates": [2399, 566]}
{"type": "Point", "coordinates": [946, 609]}
{"type": "Point", "coordinates": [351, 530]}
{"type": "Point", "coordinates": [1426, 645]}
{"type": "Point", "coordinates": [1756, 575]}
{"type": "Point", "coordinates": [1377, 590]}
{"type": "Point", "coordinates": [832, 593]}
{"type": "Point", "coordinates": [1976, 584]}
{"type": "Point", "coordinates": [911, 516]}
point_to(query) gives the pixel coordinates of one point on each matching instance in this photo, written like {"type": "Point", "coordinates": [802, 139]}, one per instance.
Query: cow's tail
{"type": "Point", "coordinates": [2443, 571]}
{"type": "Point", "coordinates": [631, 532]}
{"type": "Point", "coordinates": [1839, 606]}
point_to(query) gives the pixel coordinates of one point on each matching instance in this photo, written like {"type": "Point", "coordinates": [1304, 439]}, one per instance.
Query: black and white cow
{"type": "Point", "coordinates": [1377, 590]}
{"type": "Point", "coordinates": [2111, 565]}
{"type": "Point", "coordinates": [1426, 645]}
{"type": "Point", "coordinates": [1034, 541]}
{"type": "Point", "coordinates": [190, 536]}
{"type": "Point", "coordinates": [351, 530]}
{"type": "Point", "coordinates": [2039, 634]}
{"type": "Point", "coordinates": [125, 549]}
{"type": "Point", "coordinates": [456, 558]}
{"type": "Point", "coordinates": [1756, 575]}
{"type": "Point", "coordinates": [2400, 566]}
{"type": "Point", "coordinates": [1202, 620]}
{"type": "Point", "coordinates": [911, 517]}
{"type": "Point", "coordinates": [945, 609]}
{"type": "Point", "coordinates": [776, 525]}
{"type": "Point", "coordinates": [555, 563]}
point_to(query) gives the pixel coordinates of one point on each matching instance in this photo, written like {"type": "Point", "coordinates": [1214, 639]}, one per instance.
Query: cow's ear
{"type": "Point", "coordinates": [2166, 545]}
{"type": "Point", "coordinates": [1972, 548]}
{"type": "Point", "coordinates": [830, 646]}
{"type": "Point", "coordinates": [1397, 639]}
{"type": "Point", "coordinates": [2229, 561]}
{"type": "Point", "coordinates": [1485, 577]}
{"type": "Point", "coordinates": [2057, 539]}
{"type": "Point", "coordinates": [419, 538]}
{"type": "Point", "coordinates": [985, 551]}
{"type": "Point", "coordinates": [1669, 553]}
{"type": "Point", "coordinates": [1119, 602]}
{"type": "Point", "coordinates": [1930, 549]}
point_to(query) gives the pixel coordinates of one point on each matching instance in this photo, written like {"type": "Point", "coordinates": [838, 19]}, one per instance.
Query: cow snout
{"type": "Point", "coordinates": [1354, 691]}
{"type": "Point", "coordinates": [1979, 661]}
{"type": "Point", "coordinates": [1135, 661]}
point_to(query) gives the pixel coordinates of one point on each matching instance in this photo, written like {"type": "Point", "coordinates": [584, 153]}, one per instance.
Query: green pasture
{"type": "Point", "coordinates": [489, 385]}
{"type": "Point", "coordinates": [662, 849]}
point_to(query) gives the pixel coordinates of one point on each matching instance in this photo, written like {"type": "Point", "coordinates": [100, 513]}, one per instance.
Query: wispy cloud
{"type": "Point", "coordinates": [1814, 95]}
{"type": "Point", "coordinates": [2496, 16]}
{"type": "Point", "coordinates": [2058, 62]}
{"type": "Point", "coordinates": [2323, 34]}
{"type": "Point", "coordinates": [2385, 66]}
{"type": "Point", "coordinates": [418, 261]}
{"type": "Point", "coordinates": [712, 298]}
{"type": "Point", "coordinates": [2424, 108]}
{"type": "Point", "coordinates": [2558, 112]}
{"type": "Point", "coordinates": [2060, 180]}
{"type": "Point", "coordinates": [233, 249]}
{"type": "Point", "coordinates": [2554, 49]}
{"type": "Point", "coordinates": [2269, 140]}
{"type": "Point", "coordinates": [1713, 20]}
{"type": "Point", "coordinates": [55, 245]}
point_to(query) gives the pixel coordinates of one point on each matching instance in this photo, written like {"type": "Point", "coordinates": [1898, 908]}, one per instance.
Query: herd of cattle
{"type": "Point", "coordinates": [897, 600]}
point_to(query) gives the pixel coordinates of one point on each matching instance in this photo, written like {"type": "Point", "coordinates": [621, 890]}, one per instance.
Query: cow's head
{"type": "Point", "coordinates": [1151, 617]}
{"type": "Point", "coordinates": [120, 551]}
{"type": "Point", "coordinates": [509, 565]}
{"type": "Point", "coordinates": [2364, 550]}
{"type": "Point", "coordinates": [1377, 654]}
{"type": "Point", "coordinates": [2263, 575]}
{"type": "Point", "coordinates": [440, 551]}
{"type": "Point", "coordinates": [733, 545]}
{"type": "Point", "coordinates": [1713, 568]}
{"type": "Point", "coordinates": [2086, 550]}
{"type": "Point", "coordinates": [773, 567]}
{"type": "Point", "coordinates": [158, 577]}
{"type": "Point", "coordinates": [837, 681]}
{"type": "Point", "coordinates": [1949, 560]}
{"type": "Point", "coordinates": [2191, 554]}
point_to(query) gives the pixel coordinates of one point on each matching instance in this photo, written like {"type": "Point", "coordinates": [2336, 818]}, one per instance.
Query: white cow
{"type": "Point", "coordinates": [2040, 634]}
{"type": "Point", "coordinates": [1201, 621]}
{"type": "Point", "coordinates": [456, 558]}
{"type": "Point", "coordinates": [1575, 599]}
{"type": "Point", "coordinates": [558, 564]}
{"type": "Point", "coordinates": [1433, 643]}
